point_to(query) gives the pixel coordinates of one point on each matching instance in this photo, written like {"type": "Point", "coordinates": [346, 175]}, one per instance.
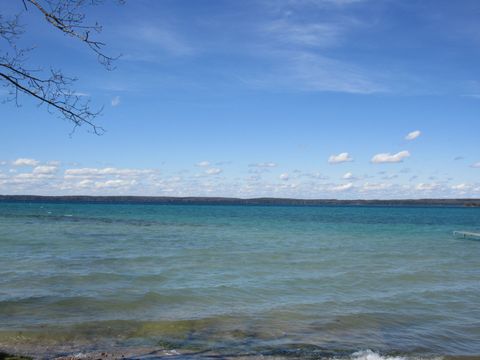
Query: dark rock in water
{"type": "Point", "coordinates": [5, 356]}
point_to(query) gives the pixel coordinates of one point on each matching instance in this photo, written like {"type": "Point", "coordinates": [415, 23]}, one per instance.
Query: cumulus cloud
{"type": "Point", "coordinates": [343, 187]}
{"type": "Point", "coordinates": [213, 171]}
{"type": "Point", "coordinates": [114, 184]}
{"type": "Point", "coordinates": [106, 171]}
{"type": "Point", "coordinates": [461, 187]}
{"type": "Point", "coordinates": [115, 101]}
{"type": "Point", "coordinates": [375, 186]}
{"type": "Point", "coordinates": [413, 135]}
{"type": "Point", "coordinates": [45, 178]}
{"type": "Point", "coordinates": [340, 158]}
{"type": "Point", "coordinates": [426, 186]}
{"type": "Point", "coordinates": [45, 170]}
{"type": "Point", "coordinates": [85, 183]}
{"type": "Point", "coordinates": [390, 158]}
{"type": "Point", "coordinates": [25, 162]}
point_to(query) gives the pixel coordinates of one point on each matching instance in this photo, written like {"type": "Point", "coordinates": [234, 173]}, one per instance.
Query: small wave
{"type": "Point", "coordinates": [371, 355]}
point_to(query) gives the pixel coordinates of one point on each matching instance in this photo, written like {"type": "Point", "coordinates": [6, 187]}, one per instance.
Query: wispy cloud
{"type": "Point", "coordinates": [310, 35]}
{"type": "Point", "coordinates": [263, 165]}
{"type": "Point", "coordinates": [297, 49]}
{"type": "Point", "coordinates": [203, 163]}
{"type": "Point", "coordinates": [152, 39]}
{"type": "Point", "coordinates": [115, 101]}
{"type": "Point", "coordinates": [413, 135]}
{"type": "Point", "coordinates": [302, 70]}
{"type": "Point", "coordinates": [325, 2]}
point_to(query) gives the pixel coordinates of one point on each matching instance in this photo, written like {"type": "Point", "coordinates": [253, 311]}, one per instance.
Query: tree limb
{"type": "Point", "coordinates": [53, 89]}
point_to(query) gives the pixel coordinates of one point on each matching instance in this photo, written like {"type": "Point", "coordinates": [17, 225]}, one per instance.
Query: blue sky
{"type": "Point", "coordinates": [286, 98]}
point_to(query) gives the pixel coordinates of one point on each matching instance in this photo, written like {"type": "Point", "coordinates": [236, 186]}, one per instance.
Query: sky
{"type": "Point", "coordinates": [341, 99]}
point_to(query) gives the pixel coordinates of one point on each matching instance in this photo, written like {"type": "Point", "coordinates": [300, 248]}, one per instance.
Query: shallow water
{"type": "Point", "coordinates": [304, 282]}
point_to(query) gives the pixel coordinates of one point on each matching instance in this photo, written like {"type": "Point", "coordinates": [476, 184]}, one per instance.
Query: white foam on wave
{"type": "Point", "coordinates": [79, 356]}
{"type": "Point", "coordinates": [371, 355]}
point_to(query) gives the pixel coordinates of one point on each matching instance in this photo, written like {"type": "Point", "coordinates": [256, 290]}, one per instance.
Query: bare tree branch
{"type": "Point", "coordinates": [52, 88]}
{"type": "Point", "coordinates": [66, 17]}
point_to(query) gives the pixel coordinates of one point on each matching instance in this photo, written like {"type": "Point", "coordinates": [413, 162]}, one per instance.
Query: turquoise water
{"type": "Point", "coordinates": [286, 281]}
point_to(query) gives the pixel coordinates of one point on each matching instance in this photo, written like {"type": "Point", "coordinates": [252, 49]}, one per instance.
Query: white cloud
{"type": "Point", "coordinates": [284, 176]}
{"type": "Point", "coordinates": [340, 158]}
{"type": "Point", "coordinates": [375, 187]}
{"type": "Point", "coordinates": [390, 158]}
{"type": "Point", "coordinates": [476, 165]}
{"type": "Point", "coordinates": [290, 50]}
{"type": "Point", "coordinates": [45, 170]}
{"type": "Point", "coordinates": [426, 186]}
{"type": "Point", "coordinates": [158, 38]}
{"type": "Point", "coordinates": [203, 164]}
{"type": "Point", "coordinates": [106, 171]}
{"type": "Point", "coordinates": [264, 165]}
{"type": "Point", "coordinates": [329, 2]}
{"type": "Point", "coordinates": [213, 171]}
{"type": "Point", "coordinates": [413, 135]}
{"type": "Point", "coordinates": [25, 162]}
{"type": "Point", "coordinates": [85, 183]}
{"type": "Point", "coordinates": [24, 176]}
{"type": "Point", "coordinates": [314, 175]}
{"type": "Point", "coordinates": [461, 187]}
{"type": "Point", "coordinates": [114, 184]}
{"type": "Point", "coordinates": [314, 34]}
{"type": "Point", "coordinates": [347, 176]}
{"type": "Point", "coordinates": [301, 70]}
{"type": "Point", "coordinates": [343, 187]}
{"type": "Point", "coordinates": [115, 101]}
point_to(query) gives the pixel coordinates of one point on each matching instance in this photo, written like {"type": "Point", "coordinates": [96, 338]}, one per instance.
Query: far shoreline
{"type": "Point", "coordinates": [262, 201]}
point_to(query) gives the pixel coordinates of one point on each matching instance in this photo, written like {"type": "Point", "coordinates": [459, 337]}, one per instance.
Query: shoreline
{"type": "Point", "coordinates": [155, 353]}
{"type": "Point", "coordinates": [262, 201]}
